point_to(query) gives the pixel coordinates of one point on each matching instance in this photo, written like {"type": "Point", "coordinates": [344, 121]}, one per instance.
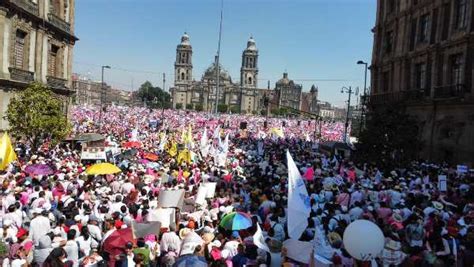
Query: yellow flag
{"type": "Point", "coordinates": [184, 155]}
{"type": "Point", "coordinates": [278, 132]}
{"type": "Point", "coordinates": [7, 153]}
{"type": "Point", "coordinates": [189, 136]}
{"type": "Point", "coordinates": [173, 150]}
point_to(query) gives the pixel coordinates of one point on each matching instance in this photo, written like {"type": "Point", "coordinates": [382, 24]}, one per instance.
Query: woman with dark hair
{"type": "Point", "coordinates": [56, 258]}
{"type": "Point", "coordinates": [84, 241]}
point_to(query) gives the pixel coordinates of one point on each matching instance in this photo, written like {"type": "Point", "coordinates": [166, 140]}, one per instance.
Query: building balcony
{"type": "Point", "coordinates": [27, 5]}
{"type": "Point", "coordinates": [449, 91]}
{"type": "Point", "coordinates": [57, 83]}
{"type": "Point", "coordinates": [59, 23]}
{"type": "Point", "coordinates": [21, 75]}
{"type": "Point", "coordinates": [396, 97]}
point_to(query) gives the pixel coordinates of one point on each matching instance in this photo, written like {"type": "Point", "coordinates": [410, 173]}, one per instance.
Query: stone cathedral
{"type": "Point", "coordinates": [243, 96]}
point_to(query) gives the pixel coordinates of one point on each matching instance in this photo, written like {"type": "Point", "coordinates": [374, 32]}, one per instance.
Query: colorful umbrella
{"type": "Point", "coordinates": [39, 169]}
{"type": "Point", "coordinates": [150, 156]}
{"type": "Point", "coordinates": [236, 221]}
{"type": "Point", "coordinates": [102, 169]}
{"type": "Point", "coordinates": [132, 144]}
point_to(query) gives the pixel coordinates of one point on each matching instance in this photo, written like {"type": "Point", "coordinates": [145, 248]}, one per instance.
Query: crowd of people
{"type": "Point", "coordinates": [70, 218]}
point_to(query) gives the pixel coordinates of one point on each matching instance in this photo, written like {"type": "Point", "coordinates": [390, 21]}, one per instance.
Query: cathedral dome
{"type": "Point", "coordinates": [210, 73]}
{"type": "Point", "coordinates": [251, 44]}
{"type": "Point", "coordinates": [185, 39]}
{"type": "Point", "coordinates": [284, 80]}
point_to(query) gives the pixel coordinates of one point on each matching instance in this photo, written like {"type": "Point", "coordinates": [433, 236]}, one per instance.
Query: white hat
{"type": "Point", "coordinates": [77, 218]}
{"type": "Point", "coordinates": [7, 222]}
{"type": "Point", "coordinates": [37, 210]}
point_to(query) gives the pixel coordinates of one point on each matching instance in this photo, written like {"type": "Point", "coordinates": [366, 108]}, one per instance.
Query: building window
{"type": "Point", "coordinates": [424, 24]}
{"type": "Point", "coordinates": [182, 76]}
{"type": "Point", "coordinates": [388, 42]}
{"type": "Point", "coordinates": [420, 76]}
{"type": "Point", "coordinates": [461, 14]}
{"type": "Point", "coordinates": [456, 69]}
{"type": "Point", "coordinates": [19, 54]}
{"type": "Point", "coordinates": [250, 80]}
{"type": "Point", "coordinates": [53, 60]}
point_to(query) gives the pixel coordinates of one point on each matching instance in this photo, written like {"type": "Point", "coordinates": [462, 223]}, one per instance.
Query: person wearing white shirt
{"type": "Point", "coordinates": [39, 226]}
{"type": "Point", "coordinates": [170, 239]}
{"type": "Point", "coordinates": [71, 248]}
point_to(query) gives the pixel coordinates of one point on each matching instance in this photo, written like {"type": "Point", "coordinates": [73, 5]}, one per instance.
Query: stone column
{"type": "Point", "coordinates": [4, 40]}
{"type": "Point", "coordinates": [32, 52]}
{"type": "Point", "coordinates": [39, 55]}
{"type": "Point", "coordinates": [44, 58]}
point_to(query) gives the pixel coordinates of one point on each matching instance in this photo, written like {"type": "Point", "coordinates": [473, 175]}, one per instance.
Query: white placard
{"type": "Point", "coordinates": [298, 250]}
{"type": "Point", "coordinates": [462, 169]}
{"type": "Point", "coordinates": [165, 216]}
{"type": "Point", "coordinates": [201, 195]}
{"type": "Point", "coordinates": [442, 183]}
{"type": "Point", "coordinates": [171, 199]}
{"type": "Point", "coordinates": [211, 189]}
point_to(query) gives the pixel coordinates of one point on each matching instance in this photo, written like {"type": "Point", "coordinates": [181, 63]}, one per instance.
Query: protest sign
{"type": "Point", "coordinates": [165, 216]}
{"type": "Point", "coordinates": [171, 199]}
{"type": "Point", "coordinates": [144, 229]}
{"type": "Point", "coordinates": [442, 183]}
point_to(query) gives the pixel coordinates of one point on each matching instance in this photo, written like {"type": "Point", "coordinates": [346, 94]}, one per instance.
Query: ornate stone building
{"type": "Point", "coordinates": [188, 93]}
{"type": "Point", "coordinates": [36, 44]}
{"type": "Point", "coordinates": [422, 59]}
{"type": "Point", "coordinates": [289, 93]}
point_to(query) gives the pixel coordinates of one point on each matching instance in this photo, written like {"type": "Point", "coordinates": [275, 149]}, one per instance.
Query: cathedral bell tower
{"type": "Point", "coordinates": [249, 70]}
{"type": "Point", "coordinates": [183, 66]}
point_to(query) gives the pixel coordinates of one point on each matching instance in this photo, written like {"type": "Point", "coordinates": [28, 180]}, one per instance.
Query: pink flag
{"type": "Point", "coordinates": [180, 175]}
{"type": "Point", "coordinates": [309, 174]}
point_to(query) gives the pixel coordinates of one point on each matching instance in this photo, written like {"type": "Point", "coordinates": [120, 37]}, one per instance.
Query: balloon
{"type": "Point", "coordinates": [363, 240]}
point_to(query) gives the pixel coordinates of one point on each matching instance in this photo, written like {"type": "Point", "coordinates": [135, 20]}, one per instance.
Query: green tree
{"type": "Point", "coordinates": [189, 106]}
{"type": "Point", "coordinates": [179, 106]}
{"type": "Point", "coordinates": [199, 107]}
{"type": "Point", "coordinates": [389, 139]}
{"type": "Point", "coordinates": [35, 114]}
{"type": "Point", "coordinates": [155, 97]}
{"type": "Point", "coordinates": [235, 109]}
{"type": "Point", "coordinates": [222, 108]}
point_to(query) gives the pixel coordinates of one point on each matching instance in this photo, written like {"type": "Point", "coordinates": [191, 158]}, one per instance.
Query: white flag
{"type": "Point", "coordinates": [163, 141]}
{"type": "Point", "coordinates": [298, 201]}
{"type": "Point", "coordinates": [204, 146]}
{"type": "Point", "coordinates": [217, 131]}
{"type": "Point", "coordinates": [259, 240]}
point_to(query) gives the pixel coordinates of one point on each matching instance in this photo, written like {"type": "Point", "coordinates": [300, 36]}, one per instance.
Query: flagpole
{"type": "Point", "coordinates": [217, 59]}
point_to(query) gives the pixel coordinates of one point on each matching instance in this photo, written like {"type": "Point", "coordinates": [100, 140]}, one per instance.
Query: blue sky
{"type": "Point", "coordinates": [311, 39]}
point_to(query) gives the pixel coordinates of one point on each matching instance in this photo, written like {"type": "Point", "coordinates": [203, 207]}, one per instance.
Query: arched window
{"type": "Point", "coordinates": [250, 80]}
{"type": "Point", "coordinates": [182, 76]}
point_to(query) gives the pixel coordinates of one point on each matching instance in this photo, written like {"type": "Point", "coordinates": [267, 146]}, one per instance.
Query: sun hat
{"type": "Point", "coordinates": [437, 205]}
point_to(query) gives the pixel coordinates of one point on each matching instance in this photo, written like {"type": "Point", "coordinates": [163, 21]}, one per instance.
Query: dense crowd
{"type": "Point", "coordinates": [70, 218]}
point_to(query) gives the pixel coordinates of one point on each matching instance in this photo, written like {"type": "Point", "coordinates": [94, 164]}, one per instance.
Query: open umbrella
{"type": "Point", "coordinates": [102, 169]}
{"type": "Point", "coordinates": [150, 156]}
{"type": "Point", "coordinates": [132, 144]}
{"type": "Point", "coordinates": [38, 169]}
{"type": "Point", "coordinates": [236, 221]}
{"type": "Point", "coordinates": [115, 243]}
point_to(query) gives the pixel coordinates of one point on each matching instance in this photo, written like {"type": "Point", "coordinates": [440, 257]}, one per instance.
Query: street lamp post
{"type": "Point", "coordinates": [362, 115]}
{"type": "Point", "coordinates": [103, 94]}
{"type": "Point", "coordinates": [349, 91]}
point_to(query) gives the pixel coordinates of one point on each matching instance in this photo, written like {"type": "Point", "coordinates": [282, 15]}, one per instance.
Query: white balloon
{"type": "Point", "coordinates": [363, 240]}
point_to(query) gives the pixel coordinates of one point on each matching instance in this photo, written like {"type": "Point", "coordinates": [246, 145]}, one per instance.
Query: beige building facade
{"type": "Point", "coordinates": [36, 44]}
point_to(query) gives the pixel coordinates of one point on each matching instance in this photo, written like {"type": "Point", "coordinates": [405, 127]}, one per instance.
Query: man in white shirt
{"type": "Point", "coordinates": [170, 239]}
{"type": "Point", "coordinates": [39, 226]}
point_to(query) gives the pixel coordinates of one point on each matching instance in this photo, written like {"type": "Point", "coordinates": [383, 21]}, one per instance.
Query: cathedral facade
{"type": "Point", "coordinates": [243, 96]}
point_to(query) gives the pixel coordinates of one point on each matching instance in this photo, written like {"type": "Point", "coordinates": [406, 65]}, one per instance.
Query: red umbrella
{"type": "Point", "coordinates": [150, 156]}
{"type": "Point", "coordinates": [115, 243]}
{"type": "Point", "coordinates": [132, 144]}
